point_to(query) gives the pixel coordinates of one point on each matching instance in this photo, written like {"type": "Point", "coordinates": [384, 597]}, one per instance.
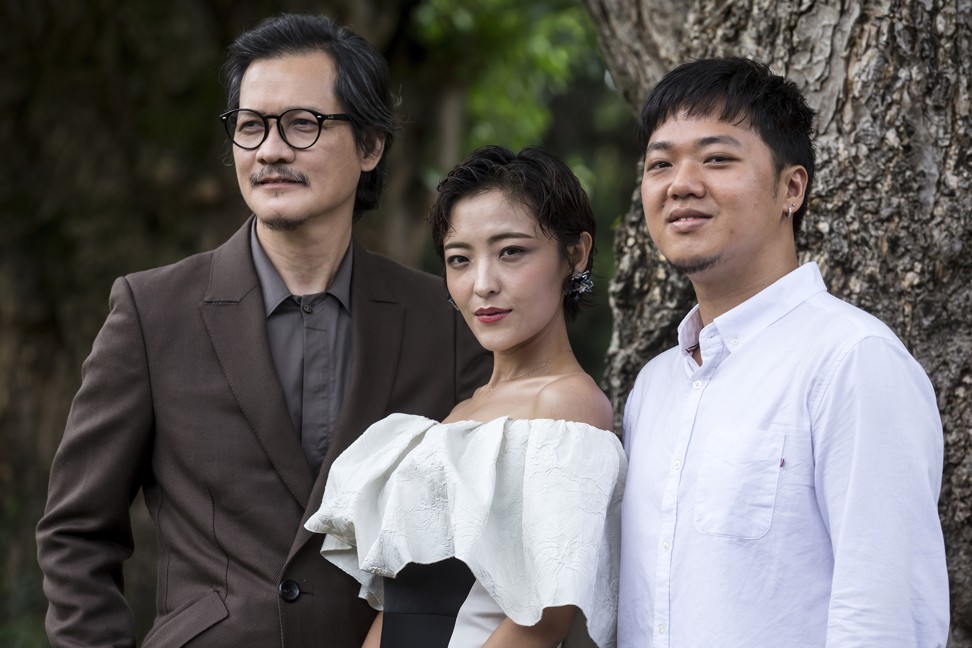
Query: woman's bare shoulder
{"type": "Point", "coordinates": [575, 397]}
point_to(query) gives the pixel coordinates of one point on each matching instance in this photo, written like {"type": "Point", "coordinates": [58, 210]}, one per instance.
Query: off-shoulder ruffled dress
{"type": "Point", "coordinates": [450, 527]}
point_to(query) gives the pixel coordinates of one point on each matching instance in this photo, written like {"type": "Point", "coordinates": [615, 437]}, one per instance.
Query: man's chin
{"type": "Point", "coordinates": [689, 267]}
{"type": "Point", "coordinates": [277, 223]}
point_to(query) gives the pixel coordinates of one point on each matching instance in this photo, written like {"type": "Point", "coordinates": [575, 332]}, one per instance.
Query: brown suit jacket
{"type": "Point", "coordinates": [179, 398]}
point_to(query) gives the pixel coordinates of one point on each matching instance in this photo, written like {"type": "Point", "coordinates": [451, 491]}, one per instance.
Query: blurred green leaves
{"type": "Point", "coordinates": [512, 57]}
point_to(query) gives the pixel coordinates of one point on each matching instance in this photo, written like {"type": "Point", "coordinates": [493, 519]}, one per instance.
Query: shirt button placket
{"type": "Point", "coordinates": [693, 398]}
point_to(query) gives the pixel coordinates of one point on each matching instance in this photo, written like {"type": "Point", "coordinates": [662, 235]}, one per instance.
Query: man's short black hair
{"type": "Point", "coordinates": [739, 91]}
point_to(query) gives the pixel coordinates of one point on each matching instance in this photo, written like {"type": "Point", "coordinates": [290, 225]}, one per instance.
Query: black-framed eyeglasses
{"type": "Point", "coordinates": [300, 128]}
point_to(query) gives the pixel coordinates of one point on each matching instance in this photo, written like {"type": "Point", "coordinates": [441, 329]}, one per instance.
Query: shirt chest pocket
{"type": "Point", "coordinates": [738, 478]}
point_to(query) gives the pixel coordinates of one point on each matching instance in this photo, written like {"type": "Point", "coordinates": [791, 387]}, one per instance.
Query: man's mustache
{"type": "Point", "coordinates": [277, 172]}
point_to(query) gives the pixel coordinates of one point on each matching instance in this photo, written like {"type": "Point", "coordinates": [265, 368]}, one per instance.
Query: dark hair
{"type": "Point", "coordinates": [363, 84]}
{"type": "Point", "coordinates": [739, 90]}
{"type": "Point", "coordinates": [535, 179]}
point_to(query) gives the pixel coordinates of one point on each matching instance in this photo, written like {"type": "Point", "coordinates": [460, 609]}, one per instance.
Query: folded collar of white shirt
{"type": "Point", "coordinates": [748, 319]}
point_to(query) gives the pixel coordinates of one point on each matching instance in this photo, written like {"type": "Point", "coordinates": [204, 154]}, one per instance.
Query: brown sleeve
{"type": "Point", "coordinates": [85, 534]}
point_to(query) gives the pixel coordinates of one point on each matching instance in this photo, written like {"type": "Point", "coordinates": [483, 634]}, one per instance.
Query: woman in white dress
{"type": "Point", "coordinates": [499, 525]}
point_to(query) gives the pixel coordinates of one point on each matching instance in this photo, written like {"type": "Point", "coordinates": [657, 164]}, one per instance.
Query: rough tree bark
{"type": "Point", "coordinates": [890, 223]}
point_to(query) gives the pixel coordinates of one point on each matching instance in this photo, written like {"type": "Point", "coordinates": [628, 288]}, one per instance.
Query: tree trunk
{"type": "Point", "coordinates": [889, 223]}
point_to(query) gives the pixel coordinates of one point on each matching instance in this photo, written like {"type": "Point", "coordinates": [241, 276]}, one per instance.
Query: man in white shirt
{"type": "Point", "coordinates": [785, 458]}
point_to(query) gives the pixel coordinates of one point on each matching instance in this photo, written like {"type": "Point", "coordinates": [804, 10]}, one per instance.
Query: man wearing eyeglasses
{"type": "Point", "coordinates": [225, 385]}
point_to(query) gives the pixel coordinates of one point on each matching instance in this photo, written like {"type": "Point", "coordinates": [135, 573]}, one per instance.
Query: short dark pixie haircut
{"type": "Point", "coordinates": [532, 178]}
{"type": "Point", "coordinates": [363, 84]}
{"type": "Point", "coordinates": [739, 90]}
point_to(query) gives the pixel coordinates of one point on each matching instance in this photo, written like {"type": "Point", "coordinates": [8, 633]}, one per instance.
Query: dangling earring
{"type": "Point", "coordinates": [579, 284]}
{"type": "Point", "coordinates": [452, 302]}
{"type": "Point", "coordinates": [789, 211]}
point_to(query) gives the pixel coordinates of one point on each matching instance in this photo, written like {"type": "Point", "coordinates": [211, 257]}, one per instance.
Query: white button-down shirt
{"type": "Point", "coordinates": [785, 493]}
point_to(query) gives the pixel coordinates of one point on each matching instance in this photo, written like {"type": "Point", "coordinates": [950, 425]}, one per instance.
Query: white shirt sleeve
{"type": "Point", "coordinates": [878, 450]}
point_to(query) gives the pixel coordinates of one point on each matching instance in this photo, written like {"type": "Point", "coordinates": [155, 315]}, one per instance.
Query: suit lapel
{"type": "Point", "coordinates": [377, 323]}
{"type": "Point", "coordinates": [377, 319]}
{"type": "Point", "coordinates": [234, 315]}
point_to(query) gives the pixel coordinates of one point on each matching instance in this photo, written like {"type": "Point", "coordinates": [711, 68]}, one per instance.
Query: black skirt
{"type": "Point", "coordinates": [422, 603]}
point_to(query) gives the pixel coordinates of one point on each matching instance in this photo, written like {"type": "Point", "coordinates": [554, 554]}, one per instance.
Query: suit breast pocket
{"type": "Point", "coordinates": [738, 478]}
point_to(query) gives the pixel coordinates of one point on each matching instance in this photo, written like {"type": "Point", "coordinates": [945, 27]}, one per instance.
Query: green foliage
{"type": "Point", "coordinates": [22, 602]}
{"type": "Point", "coordinates": [23, 632]}
{"type": "Point", "coordinates": [511, 58]}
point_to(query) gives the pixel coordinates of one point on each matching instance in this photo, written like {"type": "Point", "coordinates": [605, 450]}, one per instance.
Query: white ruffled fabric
{"type": "Point", "coordinates": [531, 506]}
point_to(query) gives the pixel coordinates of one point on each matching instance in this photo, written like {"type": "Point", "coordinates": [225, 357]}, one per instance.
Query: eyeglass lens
{"type": "Point", "coordinates": [299, 128]}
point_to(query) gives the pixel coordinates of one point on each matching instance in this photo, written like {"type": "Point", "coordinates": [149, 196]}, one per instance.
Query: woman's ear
{"type": "Point", "coordinates": [580, 252]}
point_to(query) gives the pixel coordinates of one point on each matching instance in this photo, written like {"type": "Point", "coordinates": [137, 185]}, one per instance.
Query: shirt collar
{"type": "Point", "coordinates": [688, 331]}
{"type": "Point", "coordinates": [744, 322]}
{"type": "Point", "coordinates": [340, 287]}
{"type": "Point", "coordinates": [275, 290]}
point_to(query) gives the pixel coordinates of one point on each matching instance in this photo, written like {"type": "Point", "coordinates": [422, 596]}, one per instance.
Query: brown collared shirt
{"type": "Point", "coordinates": [310, 342]}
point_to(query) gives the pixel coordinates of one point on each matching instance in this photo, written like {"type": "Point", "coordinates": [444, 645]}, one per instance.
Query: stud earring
{"type": "Point", "coordinates": [789, 211]}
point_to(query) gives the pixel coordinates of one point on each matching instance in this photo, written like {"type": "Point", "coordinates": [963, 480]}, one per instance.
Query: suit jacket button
{"type": "Point", "coordinates": [289, 591]}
